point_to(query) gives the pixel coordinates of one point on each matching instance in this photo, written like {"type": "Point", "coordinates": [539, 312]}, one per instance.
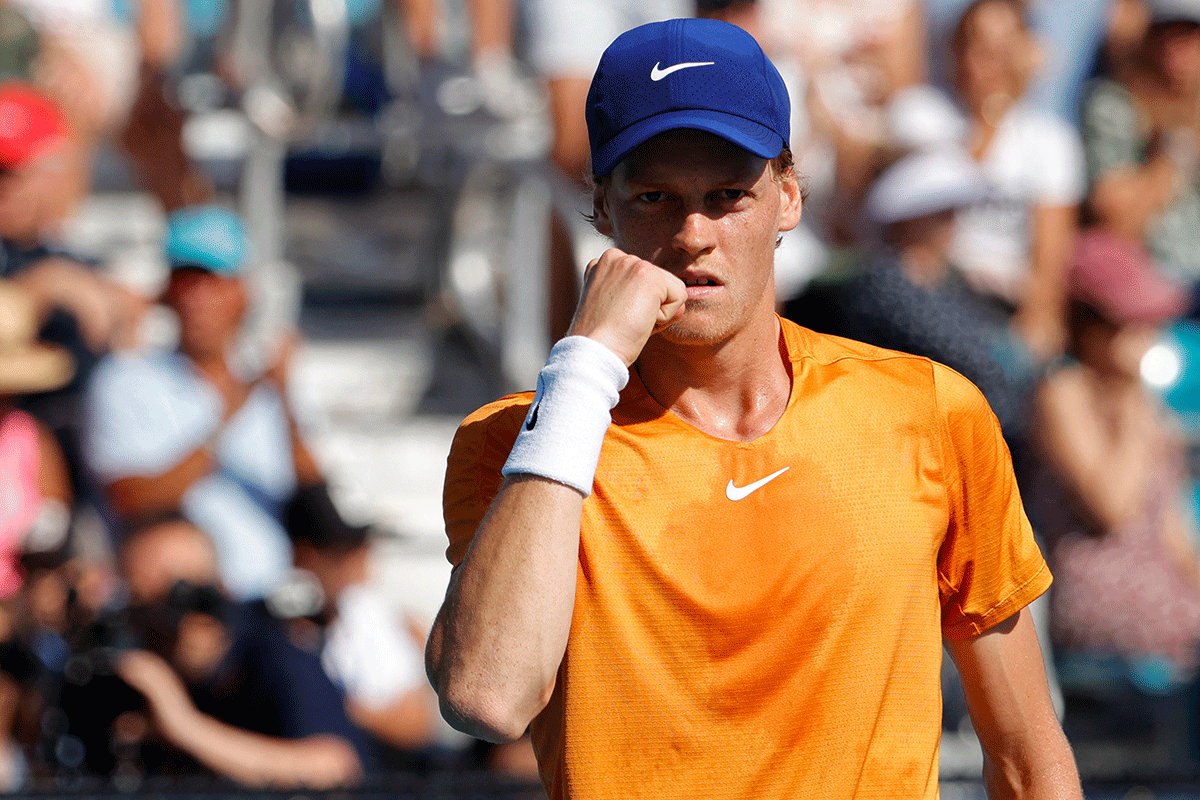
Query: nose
{"type": "Point", "coordinates": [696, 234]}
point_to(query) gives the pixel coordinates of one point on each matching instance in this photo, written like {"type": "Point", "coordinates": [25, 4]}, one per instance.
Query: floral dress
{"type": "Point", "coordinates": [1122, 591]}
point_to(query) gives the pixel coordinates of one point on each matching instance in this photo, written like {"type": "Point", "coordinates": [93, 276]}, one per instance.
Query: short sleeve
{"type": "Point", "coordinates": [368, 651]}
{"type": "Point", "coordinates": [141, 421]}
{"type": "Point", "coordinates": [989, 566]}
{"type": "Point", "coordinates": [473, 478]}
{"type": "Point", "coordinates": [1061, 172]}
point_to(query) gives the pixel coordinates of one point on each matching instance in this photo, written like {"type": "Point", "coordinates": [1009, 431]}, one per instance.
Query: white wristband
{"type": "Point", "coordinates": [570, 414]}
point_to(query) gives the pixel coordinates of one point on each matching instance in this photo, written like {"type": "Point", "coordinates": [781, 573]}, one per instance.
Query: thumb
{"type": "Point", "coordinates": [673, 304]}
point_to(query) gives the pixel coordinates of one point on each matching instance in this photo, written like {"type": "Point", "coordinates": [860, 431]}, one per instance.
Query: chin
{"type": "Point", "coordinates": [700, 327]}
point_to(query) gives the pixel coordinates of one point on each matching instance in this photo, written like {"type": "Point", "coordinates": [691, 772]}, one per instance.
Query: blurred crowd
{"type": "Point", "coordinates": [1010, 187]}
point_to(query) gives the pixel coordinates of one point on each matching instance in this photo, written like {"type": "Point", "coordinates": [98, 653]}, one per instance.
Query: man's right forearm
{"type": "Point", "coordinates": [497, 643]}
{"type": "Point", "coordinates": [138, 495]}
{"type": "Point", "coordinates": [252, 759]}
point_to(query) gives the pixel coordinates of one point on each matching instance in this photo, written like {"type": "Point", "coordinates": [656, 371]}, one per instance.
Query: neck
{"type": "Point", "coordinates": [989, 110]}
{"type": "Point", "coordinates": [736, 389]}
{"type": "Point", "coordinates": [214, 366]}
{"type": "Point", "coordinates": [924, 265]}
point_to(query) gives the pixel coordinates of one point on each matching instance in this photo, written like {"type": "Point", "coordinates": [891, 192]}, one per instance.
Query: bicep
{"type": "Point", "coordinates": [1004, 680]}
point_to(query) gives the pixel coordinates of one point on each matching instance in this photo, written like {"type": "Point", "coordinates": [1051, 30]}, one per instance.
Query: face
{"type": "Point", "coordinates": [1117, 351]}
{"type": "Point", "coordinates": [156, 560]}
{"type": "Point", "coordinates": [210, 309]}
{"type": "Point", "coordinates": [42, 191]}
{"type": "Point", "coordinates": [708, 212]}
{"type": "Point", "coordinates": [995, 53]}
{"type": "Point", "coordinates": [1178, 54]}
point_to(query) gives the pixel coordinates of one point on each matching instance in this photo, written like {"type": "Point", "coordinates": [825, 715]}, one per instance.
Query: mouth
{"type": "Point", "coordinates": [700, 281]}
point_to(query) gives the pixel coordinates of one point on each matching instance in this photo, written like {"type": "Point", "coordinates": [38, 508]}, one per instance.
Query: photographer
{"type": "Point", "coordinates": [222, 681]}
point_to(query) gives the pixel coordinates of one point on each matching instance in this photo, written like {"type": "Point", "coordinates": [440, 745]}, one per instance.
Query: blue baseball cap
{"type": "Point", "coordinates": [685, 73]}
{"type": "Point", "coordinates": [207, 237]}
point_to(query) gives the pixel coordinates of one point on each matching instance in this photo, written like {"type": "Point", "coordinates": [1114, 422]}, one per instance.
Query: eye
{"type": "Point", "coordinates": [732, 194]}
{"type": "Point", "coordinates": [650, 197]}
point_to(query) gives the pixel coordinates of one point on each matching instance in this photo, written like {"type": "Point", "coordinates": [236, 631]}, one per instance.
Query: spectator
{"type": "Point", "coordinates": [224, 683]}
{"type": "Point", "coordinates": [501, 88]}
{"type": "Point", "coordinates": [1070, 36]}
{"type": "Point", "coordinates": [368, 649]}
{"type": "Point", "coordinates": [87, 60]}
{"type": "Point", "coordinates": [566, 40]}
{"type": "Point", "coordinates": [911, 298]}
{"type": "Point", "coordinates": [185, 430]}
{"type": "Point", "coordinates": [855, 58]}
{"type": "Point", "coordinates": [1140, 131]}
{"type": "Point", "coordinates": [1113, 498]}
{"type": "Point", "coordinates": [36, 193]}
{"type": "Point", "coordinates": [152, 133]}
{"type": "Point", "coordinates": [34, 489]}
{"type": "Point", "coordinates": [1015, 243]}
{"type": "Point", "coordinates": [35, 498]}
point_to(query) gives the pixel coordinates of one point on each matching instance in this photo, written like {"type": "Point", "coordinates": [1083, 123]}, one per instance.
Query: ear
{"type": "Point", "coordinates": [792, 201]}
{"type": "Point", "coordinates": [600, 218]}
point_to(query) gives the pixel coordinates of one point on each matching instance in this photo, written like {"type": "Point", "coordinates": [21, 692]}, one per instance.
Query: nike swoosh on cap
{"type": "Point", "coordinates": [657, 74]}
{"type": "Point", "coordinates": [736, 493]}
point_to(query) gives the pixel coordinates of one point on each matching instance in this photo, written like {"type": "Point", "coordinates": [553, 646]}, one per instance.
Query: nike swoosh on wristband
{"type": "Point", "coordinates": [531, 418]}
{"type": "Point", "coordinates": [736, 493]}
{"type": "Point", "coordinates": [657, 74]}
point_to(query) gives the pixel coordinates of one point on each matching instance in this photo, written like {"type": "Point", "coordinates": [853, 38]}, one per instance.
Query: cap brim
{"type": "Point", "coordinates": [934, 201]}
{"type": "Point", "coordinates": [216, 269]}
{"type": "Point", "coordinates": [745, 133]}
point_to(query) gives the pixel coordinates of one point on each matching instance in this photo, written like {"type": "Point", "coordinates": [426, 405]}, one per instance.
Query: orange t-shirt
{"type": "Point", "coordinates": [786, 643]}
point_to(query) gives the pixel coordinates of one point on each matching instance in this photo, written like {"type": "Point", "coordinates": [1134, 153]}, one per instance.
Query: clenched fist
{"type": "Point", "coordinates": [625, 300]}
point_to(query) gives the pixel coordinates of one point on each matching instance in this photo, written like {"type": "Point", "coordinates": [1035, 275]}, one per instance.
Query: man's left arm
{"type": "Point", "coordinates": [1025, 752]}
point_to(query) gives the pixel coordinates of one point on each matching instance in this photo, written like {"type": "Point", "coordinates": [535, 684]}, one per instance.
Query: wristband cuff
{"type": "Point", "coordinates": [570, 414]}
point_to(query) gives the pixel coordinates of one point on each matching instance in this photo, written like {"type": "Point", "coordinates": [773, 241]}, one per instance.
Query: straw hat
{"type": "Point", "coordinates": [25, 364]}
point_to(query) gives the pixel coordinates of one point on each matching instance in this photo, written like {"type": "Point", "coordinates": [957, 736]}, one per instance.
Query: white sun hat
{"type": "Point", "coordinates": [925, 183]}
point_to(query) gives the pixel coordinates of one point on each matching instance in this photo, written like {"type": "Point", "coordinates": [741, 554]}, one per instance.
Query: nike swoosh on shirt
{"type": "Point", "coordinates": [657, 74]}
{"type": "Point", "coordinates": [736, 493]}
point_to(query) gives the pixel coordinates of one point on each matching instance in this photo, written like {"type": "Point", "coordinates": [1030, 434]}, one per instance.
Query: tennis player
{"type": "Point", "coordinates": [716, 554]}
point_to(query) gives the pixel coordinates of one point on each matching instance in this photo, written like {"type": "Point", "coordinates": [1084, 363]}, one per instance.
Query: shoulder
{"type": "Point", "coordinates": [946, 386]}
{"type": "Point", "coordinates": [1064, 392]}
{"type": "Point", "coordinates": [481, 446]}
{"type": "Point", "coordinates": [809, 349]}
{"type": "Point", "coordinates": [1040, 132]}
{"type": "Point", "coordinates": [957, 396]}
{"type": "Point", "coordinates": [133, 371]}
{"type": "Point", "coordinates": [492, 427]}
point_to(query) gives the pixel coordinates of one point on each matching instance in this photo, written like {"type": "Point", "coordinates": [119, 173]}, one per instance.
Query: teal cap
{"type": "Point", "coordinates": [207, 237]}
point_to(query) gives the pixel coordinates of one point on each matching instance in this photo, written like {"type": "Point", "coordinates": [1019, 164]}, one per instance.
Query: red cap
{"type": "Point", "coordinates": [29, 124]}
{"type": "Point", "coordinates": [1119, 279]}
